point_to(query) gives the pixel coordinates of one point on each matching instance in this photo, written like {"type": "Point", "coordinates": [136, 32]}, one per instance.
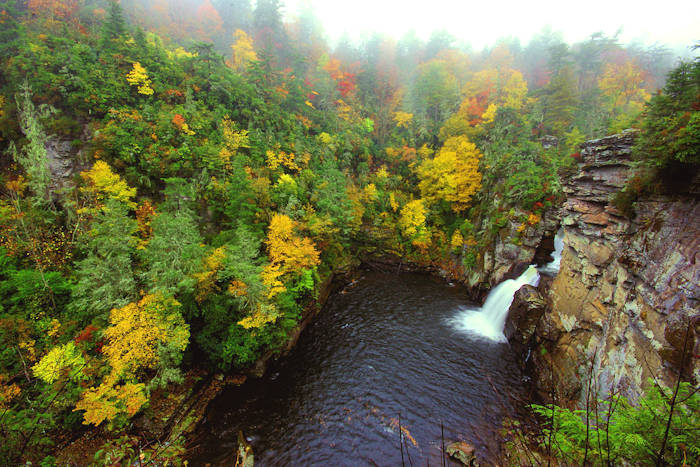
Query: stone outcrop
{"type": "Point", "coordinates": [523, 318]}
{"type": "Point", "coordinates": [627, 293]}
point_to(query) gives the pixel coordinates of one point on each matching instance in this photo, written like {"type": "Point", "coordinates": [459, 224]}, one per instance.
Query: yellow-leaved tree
{"type": "Point", "coordinates": [453, 175]}
{"type": "Point", "coordinates": [138, 336]}
{"type": "Point", "coordinates": [61, 360]}
{"type": "Point", "coordinates": [233, 140]}
{"type": "Point", "coordinates": [622, 86]}
{"type": "Point", "coordinates": [290, 254]}
{"type": "Point", "coordinates": [102, 184]}
{"type": "Point", "coordinates": [138, 76]}
{"type": "Point", "coordinates": [243, 50]}
{"type": "Point", "coordinates": [412, 223]}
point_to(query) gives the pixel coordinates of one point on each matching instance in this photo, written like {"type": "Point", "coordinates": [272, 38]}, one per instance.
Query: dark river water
{"type": "Point", "coordinates": [380, 350]}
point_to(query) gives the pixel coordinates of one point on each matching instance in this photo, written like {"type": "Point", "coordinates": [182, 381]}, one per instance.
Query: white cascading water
{"type": "Point", "coordinates": [552, 268]}
{"type": "Point", "coordinates": [489, 320]}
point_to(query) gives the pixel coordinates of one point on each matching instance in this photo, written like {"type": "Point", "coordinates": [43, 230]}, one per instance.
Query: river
{"type": "Point", "coordinates": [388, 347]}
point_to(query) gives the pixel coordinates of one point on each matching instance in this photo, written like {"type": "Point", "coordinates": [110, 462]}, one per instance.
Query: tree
{"type": "Point", "coordinates": [105, 276]}
{"type": "Point", "coordinates": [435, 94]}
{"type": "Point", "coordinates": [558, 102]}
{"type": "Point", "coordinates": [9, 29]}
{"type": "Point", "coordinates": [671, 132]}
{"type": "Point", "coordinates": [138, 76]}
{"type": "Point", "coordinates": [174, 253]}
{"type": "Point", "coordinates": [114, 27]}
{"type": "Point", "coordinates": [236, 14]}
{"type": "Point", "coordinates": [102, 184]}
{"type": "Point", "coordinates": [54, 9]}
{"type": "Point", "coordinates": [61, 359]}
{"type": "Point", "coordinates": [243, 50]}
{"type": "Point", "coordinates": [622, 85]}
{"type": "Point", "coordinates": [32, 157]}
{"type": "Point", "coordinates": [289, 253]}
{"type": "Point", "coordinates": [138, 337]}
{"type": "Point", "coordinates": [267, 24]}
{"type": "Point", "coordinates": [136, 332]}
{"type": "Point", "coordinates": [412, 223]}
{"type": "Point", "coordinates": [208, 20]}
{"type": "Point", "coordinates": [453, 175]}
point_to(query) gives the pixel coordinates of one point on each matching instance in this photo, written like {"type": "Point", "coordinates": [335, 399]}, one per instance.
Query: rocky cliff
{"type": "Point", "coordinates": [627, 293]}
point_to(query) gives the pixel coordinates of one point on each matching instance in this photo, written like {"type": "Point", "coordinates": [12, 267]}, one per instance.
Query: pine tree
{"type": "Point", "coordinates": [105, 276]}
{"type": "Point", "coordinates": [174, 253]}
{"type": "Point", "coordinates": [559, 103]}
{"type": "Point", "coordinates": [115, 26]}
{"type": "Point", "coordinates": [33, 157]}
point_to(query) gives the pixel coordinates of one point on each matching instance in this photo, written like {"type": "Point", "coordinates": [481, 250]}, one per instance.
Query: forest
{"type": "Point", "coordinates": [179, 179]}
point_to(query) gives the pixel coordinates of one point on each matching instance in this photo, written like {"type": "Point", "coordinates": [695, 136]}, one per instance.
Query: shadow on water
{"type": "Point", "coordinates": [385, 347]}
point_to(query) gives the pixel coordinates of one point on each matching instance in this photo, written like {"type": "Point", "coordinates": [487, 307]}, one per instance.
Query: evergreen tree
{"type": "Point", "coordinates": [559, 103]}
{"type": "Point", "coordinates": [236, 14]}
{"type": "Point", "coordinates": [105, 276]}
{"type": "Point", "coordinates": [9, 30]}
{"type": "Point", "coordinates": [267, 22]}
{"type": "Point", "coordinates": [114, 26]}
{"type": "Point", "coordinates": [174, 253]}
{"type": "Point", "coordinates": [33, 157]}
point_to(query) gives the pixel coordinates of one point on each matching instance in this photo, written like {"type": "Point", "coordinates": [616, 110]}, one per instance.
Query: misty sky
{"type": "Point", "coordinates": [480, 23]}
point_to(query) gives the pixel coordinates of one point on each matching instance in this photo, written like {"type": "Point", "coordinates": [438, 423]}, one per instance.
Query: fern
{"type": "Point", "coordinates": [633, 433]}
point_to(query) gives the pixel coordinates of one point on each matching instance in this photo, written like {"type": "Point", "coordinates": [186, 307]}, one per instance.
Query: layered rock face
{"type": "Point", "coordinates": [627, 293]}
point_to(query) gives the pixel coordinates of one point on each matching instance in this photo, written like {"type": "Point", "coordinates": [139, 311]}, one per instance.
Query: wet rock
{"type": "Point", "coordinates": [524, 314]}
{"type": "Point", "coordinates": [463, 452]}
{"type": "Point", "coordinates": [63, 161]}
{"type": "Point", "coordinates": [543, 253]}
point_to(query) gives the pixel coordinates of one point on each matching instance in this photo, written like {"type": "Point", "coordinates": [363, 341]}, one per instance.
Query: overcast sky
{"type": "Point", "coordinates": [480, 23]}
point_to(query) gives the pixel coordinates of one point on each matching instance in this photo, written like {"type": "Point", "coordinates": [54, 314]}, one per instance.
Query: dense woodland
{"type": "Point", "coordinates": [179, 177]}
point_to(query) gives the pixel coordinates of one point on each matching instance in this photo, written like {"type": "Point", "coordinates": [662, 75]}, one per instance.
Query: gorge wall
{"type": "Point", "coordinates": [626, 295]}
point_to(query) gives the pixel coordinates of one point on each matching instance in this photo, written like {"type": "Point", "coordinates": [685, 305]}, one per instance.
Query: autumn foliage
{"type": "Point", "coordinates": [453, 175]}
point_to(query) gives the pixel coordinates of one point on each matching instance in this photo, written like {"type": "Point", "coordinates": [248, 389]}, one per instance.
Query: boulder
{"type": "Point", "coordinates": [524, 314]}
{"type": "Point", "coordinates": [463, 452]}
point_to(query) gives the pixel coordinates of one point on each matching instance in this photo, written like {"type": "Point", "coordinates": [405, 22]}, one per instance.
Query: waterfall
{"type": "Point", "coordinates": [552, 268]}
{"type": "Point", "coordinates": [489, 320]}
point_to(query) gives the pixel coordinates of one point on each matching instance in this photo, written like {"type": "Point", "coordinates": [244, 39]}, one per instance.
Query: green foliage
{"type": "Point", "coordinates": [115, 26]}
{"type": "Point", "coordinates": [619, 432]}
{"type": "Point", "coordinates": [671, 130]}
{"type": "Point", "coordinates": [105, 277]}
{"type": "Point", "coordinates": [174, 253]}
{"type": "Point", "coordinates": [33, 294]}
{"type": "Point", "coordinates": [32, 157]}
{"type": "Point", "coordinates": [191, 151]}
{"type": "Point", "coordinates": [558, 103]}
{"type": "Point", "coordinates": [669, 144]}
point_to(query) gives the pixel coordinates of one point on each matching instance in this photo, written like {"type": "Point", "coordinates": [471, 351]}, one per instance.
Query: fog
{"type": "Point", "coordinates": [674, 22]}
